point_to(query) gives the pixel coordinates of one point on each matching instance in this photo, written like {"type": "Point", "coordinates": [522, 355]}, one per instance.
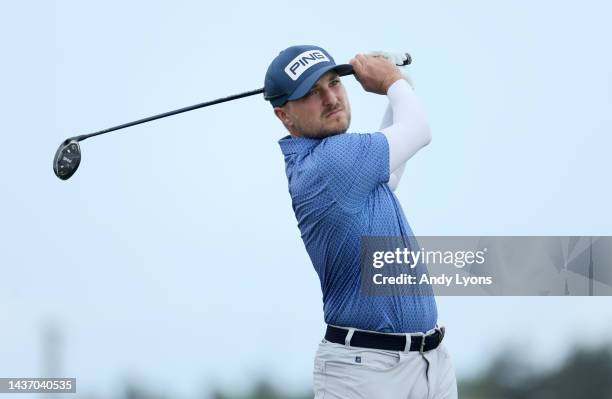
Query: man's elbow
{"type": "Point", "coordinates": [426, 134]}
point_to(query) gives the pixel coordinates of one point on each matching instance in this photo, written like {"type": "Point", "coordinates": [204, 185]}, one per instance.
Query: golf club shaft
{"type": "Point", "coordinates": [169, 113]}
{"type": "Point", "coordinates": [185, 109]}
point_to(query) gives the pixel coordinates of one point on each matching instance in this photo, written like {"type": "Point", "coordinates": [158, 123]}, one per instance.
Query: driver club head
{"type": "Point", "coordinates": [67, 159]}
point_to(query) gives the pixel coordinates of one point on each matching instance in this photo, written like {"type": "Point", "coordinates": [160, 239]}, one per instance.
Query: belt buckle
{"type": "Point", "coordinates": [437, 329]}
{"type": "Point", "coordinates": [415, 334]}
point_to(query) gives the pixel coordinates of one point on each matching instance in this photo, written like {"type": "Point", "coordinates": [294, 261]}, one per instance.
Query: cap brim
{"type": "Point", "coordinates": [306, 85]}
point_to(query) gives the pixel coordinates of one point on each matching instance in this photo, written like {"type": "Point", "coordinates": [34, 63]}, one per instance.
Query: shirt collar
{"type": "Point", "coordinates": [297, 145]}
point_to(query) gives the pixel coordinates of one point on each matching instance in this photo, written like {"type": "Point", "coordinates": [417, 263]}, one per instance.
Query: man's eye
{"type": "Point", "coordinates": [335, 82]}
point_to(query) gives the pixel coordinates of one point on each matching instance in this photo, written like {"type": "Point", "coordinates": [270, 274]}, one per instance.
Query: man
{"type": "Point", "coordinates": [380, 347]}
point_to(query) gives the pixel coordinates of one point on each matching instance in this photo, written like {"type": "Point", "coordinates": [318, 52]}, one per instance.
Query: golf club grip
{"type": "Point", "coordinates": [407, 61]}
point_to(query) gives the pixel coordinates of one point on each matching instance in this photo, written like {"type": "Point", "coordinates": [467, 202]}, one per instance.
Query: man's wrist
{"type": "Point", "coordinates": [395, 86]}
{"type": "Point", "coordinates": [390, 81]}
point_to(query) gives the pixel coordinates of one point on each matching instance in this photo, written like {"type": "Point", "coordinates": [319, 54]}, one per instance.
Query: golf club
{"type": "Point", "coordinates": [68, 156]}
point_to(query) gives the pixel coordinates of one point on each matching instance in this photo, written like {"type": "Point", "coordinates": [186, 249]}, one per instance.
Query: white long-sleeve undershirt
{"type": "Point", "coordinates": [405, 126]}
{"type": "Point", "coordinates": [395, 175]}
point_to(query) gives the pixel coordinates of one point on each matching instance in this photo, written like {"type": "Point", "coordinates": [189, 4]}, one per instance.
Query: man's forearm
{"type": "Point", "coordinates": [396, 175]}
{"type": "Point", "coordinates": [410, 130]}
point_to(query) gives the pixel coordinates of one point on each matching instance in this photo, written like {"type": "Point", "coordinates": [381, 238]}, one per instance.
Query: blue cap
{"type": "Point", "coordinates": [295, 70]}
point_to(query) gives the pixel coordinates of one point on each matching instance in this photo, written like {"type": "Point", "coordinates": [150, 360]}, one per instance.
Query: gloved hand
{"type": "Point", "coordinates": [397, 59]}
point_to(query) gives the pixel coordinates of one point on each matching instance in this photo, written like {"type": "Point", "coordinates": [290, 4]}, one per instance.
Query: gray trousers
{"type": "Point", "coordinates": [345, 372]}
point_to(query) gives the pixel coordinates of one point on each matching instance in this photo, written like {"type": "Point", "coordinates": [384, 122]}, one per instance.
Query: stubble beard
{"type": "Point", "coordinates": [321, 133]}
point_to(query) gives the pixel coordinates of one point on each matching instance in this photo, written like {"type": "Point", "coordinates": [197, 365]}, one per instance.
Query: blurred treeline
{"type": "Point", "coordinates": [585, 373]}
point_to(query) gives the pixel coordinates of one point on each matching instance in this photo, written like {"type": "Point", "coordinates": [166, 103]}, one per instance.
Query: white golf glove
{"type": "Point", "coordinates": [397, 59]}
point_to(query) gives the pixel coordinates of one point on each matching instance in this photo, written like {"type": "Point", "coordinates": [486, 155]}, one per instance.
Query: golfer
{"type": "Point", "coordinates": [341, 186]}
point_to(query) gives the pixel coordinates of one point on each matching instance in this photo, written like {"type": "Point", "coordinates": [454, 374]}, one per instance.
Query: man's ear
{"type": "Point", "coordinates": [282, 115]}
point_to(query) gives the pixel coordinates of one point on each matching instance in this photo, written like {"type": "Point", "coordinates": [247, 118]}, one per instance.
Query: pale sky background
{"type": "Point", "coordinates": [173, 257]}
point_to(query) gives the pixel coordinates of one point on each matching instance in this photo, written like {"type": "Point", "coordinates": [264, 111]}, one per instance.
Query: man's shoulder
{"type": "Point", "coordinates": [340, 141]}
{"type": "Point", "coordinates": [347, 146]}
{"type": "Point", "coordinates": [331, 155]}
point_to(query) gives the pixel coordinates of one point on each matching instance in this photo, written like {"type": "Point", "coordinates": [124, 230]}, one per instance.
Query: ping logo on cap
{"type": "Point", "coordinates": [302, 62]}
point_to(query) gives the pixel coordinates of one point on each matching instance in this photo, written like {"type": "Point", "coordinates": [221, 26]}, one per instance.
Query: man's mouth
{"type": "Point", "coordinates": [334, 113]}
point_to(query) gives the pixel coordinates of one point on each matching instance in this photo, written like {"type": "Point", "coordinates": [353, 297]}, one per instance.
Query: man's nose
{"type": "Point", "coordinates": [329, 97]}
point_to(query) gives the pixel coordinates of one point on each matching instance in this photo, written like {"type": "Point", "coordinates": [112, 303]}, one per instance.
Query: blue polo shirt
{"type": "Point", "coordinates": [339, 193]}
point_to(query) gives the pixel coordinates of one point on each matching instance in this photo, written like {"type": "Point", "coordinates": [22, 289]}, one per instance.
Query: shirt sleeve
{"type": "Point", "coordinates": [351, 165]}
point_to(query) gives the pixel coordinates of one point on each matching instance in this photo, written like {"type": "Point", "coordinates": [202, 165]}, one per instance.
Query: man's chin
{"type": "Point", "coordinates": [340, 128]}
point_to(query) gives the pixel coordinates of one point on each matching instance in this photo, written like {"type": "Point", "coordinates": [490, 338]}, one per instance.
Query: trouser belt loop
{"type": "Point", "coordinates": [349, 336]}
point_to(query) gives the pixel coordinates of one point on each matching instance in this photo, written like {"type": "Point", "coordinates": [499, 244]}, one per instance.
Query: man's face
{"type": "Point", "coordinates": [324, 111]}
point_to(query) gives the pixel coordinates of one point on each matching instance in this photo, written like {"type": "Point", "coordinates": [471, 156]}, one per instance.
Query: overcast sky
{"type": "Point", "coordinates": [173, 255]}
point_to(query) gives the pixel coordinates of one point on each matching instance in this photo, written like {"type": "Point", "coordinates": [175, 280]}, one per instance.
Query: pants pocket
{"type": "Point", "coordinates": [355, 373]}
